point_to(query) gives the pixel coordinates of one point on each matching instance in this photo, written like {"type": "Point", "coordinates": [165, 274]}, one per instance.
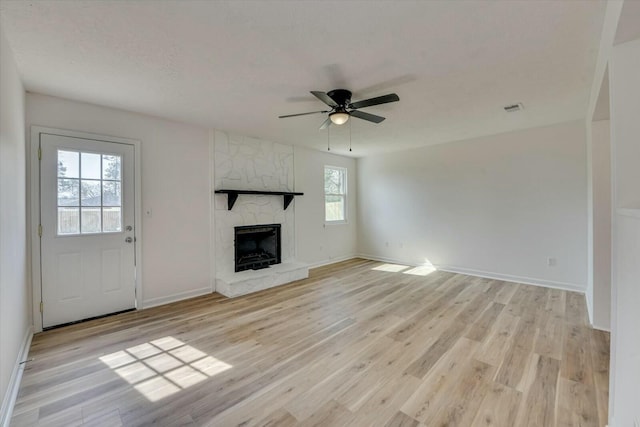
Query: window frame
{"type": "Point", "coordinates": [344, 173]}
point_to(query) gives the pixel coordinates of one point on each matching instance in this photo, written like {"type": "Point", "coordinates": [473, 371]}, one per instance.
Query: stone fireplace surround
{"type": "Point", "coordinates": [245, 163]}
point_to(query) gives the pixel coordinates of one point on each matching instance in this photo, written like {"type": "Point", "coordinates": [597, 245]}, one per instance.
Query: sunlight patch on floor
{"type": "Point", "coordinates": [393, 268]}
{"type": "Point", "coordinates": [423, 270]}
{"type": "Point", "coordinates": [163, 367]}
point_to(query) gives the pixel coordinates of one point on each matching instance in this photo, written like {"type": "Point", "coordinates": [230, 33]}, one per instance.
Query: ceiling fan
{"type": "Point", "coordinates": [342, 108]}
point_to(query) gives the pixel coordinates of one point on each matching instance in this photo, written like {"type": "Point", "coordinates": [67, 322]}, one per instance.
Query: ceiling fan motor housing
{"type": "Point", "coordinates": [341, 96]}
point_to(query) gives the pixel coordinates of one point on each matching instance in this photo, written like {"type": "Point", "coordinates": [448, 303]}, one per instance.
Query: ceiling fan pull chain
{"type": "Point", "coordinates": [350, 135]}
{"type": "Point", "coordinates": [328, 139]}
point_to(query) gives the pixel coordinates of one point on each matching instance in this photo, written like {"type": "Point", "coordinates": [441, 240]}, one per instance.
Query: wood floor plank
{"type": "Point", "coordinates": [466, 397]}
{"type": "Point", "coordinates": [578, 405]}
{"type": "Point", "coordinates": [539, 406]}
{"type": "Point", "coordinates": [550, 337]}
{"type": "Point", "coordinates": [504, 295]}
{"type": "Point", "coordinates": [400, 419]}
{"type": "Point", "coordinates": [515, 360]}
{"type": "Point", "coordinates": [435, 387]}
{"type": "Point", "coordinates": [600, 359]}
{"type": "Point", "coordinates": [280, 418]}
{"type": "Point", "coordinates": [576, 309]}
{"type": "Point", "coordinates": [481, 328]}
{"type": "Point", "coordinates": [331, 413]}
{"type": "Point", "coordinates": [576, 360]}
{"type": "Point", "coordinates": [499, 407]}
{"type": "Point", "coordinates": [351, 345]}
{"type": "Point", "coordinates": [385, 402]}
{"type": "Point", "coordinates": [498, 341]}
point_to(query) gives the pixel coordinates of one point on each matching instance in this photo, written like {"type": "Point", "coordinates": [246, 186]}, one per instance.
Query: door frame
{"type": "Point", "coordinates": [34, 175]}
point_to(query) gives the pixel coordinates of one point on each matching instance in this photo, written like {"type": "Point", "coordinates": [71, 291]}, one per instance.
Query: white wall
{"type": "Point", "coordinates": [176, 260]}
{"type": "Point", "coordinates": [15, 306]}
{"type": "Point", "coordinates": [625, 317]}
{"type": "Point", "coordinates": [317, 242]}
{"type": "Point", "coordinates": [496, 206]}
{"type": "Point", "coordinates": [601, 196]}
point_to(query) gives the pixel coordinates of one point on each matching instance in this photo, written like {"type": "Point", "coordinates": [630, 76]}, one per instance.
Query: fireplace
{"type": "Point", "coordinates": [257, 246]}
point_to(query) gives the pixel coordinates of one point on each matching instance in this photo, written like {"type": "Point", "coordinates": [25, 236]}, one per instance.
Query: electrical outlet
{"type": "Point", "coordinates": [552, 262]}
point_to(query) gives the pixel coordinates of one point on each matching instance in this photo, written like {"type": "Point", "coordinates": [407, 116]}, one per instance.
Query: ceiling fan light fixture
{"type": "Point", "coordinates": [339, 117]}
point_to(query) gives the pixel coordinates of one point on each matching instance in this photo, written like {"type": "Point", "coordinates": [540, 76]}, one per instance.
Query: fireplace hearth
{"type": "Point", "coordinates": [257, 246]}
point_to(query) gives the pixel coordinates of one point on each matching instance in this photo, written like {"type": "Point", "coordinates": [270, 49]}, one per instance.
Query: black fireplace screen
{"type": "Point", "coordinates": [257, 246]}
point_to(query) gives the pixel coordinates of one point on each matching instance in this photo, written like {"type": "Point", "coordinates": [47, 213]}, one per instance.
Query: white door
{"type": "Point", "coordinates": [88, 230]}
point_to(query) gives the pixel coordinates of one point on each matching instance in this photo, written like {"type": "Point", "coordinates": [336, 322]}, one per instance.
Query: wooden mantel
{"type": "Point", "coordinates": [232, 195]}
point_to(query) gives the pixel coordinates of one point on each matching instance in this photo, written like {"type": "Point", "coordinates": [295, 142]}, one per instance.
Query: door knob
{"type": "Point", "coordinates": [128, 239]}
{"type": "Point", "coordinates": [128, 228]}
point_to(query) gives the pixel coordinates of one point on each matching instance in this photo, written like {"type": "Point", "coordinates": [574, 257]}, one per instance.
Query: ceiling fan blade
{"type": "Point", "coordinates": [302, 114]}
{"type": "Point", "coordinates": [392, 97]}
{"type": "Point", "coordinates": [366, 116]}
{"type": "Point", "coordinates": [324, 98]}
{"type": "Point", "coordinates": [326, 124]}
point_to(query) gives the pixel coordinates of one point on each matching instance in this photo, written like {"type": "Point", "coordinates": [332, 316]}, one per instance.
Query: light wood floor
{"type": "Point", "coordinates": [352, 345]}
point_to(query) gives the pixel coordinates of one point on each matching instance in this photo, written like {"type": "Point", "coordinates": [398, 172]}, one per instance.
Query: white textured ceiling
{"type": "Point", "coordinates": [237, 65]}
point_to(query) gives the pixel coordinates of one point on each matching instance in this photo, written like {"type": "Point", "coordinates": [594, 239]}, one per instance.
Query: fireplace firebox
{"type": "Point", "coordinates": [257, 246]}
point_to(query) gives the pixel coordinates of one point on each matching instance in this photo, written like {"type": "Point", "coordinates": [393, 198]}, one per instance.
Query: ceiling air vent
{"type": "Point", "coordinates": [513, 108]}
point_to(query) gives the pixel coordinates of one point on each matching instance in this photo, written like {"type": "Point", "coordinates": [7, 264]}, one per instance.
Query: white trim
{"type": "Point", "coordinates": [344, 195]}
{"type": "Point", "coordinates": [212, 217]}
{"type": "Point", "coordinates": [332, 261]}
{"type": "Point", "coordinates": [517, 279]}
{"type": "Point", "coordinates": [589, 308]}
{"type": "Point", "coordinates": [154, 302]}
{"type": "Point", "coordinates": [385, 259]}
{"type": "Point", "coordinates": [590, 312]}
{"type": "Point", "coordinates": [634, 213]}
{"type": "Point", "coordinates": [34, 189]}
{"type": "Point", "coordinates": [490, 275]}
{"type": "Point", "coordinates": [601, 328]}
{"type": "Point", "coordinates": [11, 394]}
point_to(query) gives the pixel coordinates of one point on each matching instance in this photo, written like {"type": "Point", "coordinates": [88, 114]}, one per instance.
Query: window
{"type": "Point", "coordinates": [335, 194]}
{"type": "Point", "coordinates": [89, 193]}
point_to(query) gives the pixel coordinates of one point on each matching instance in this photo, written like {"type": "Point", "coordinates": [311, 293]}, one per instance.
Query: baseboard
{"type": "Point", "coordinates": [589, 308]}
{"type": "Point", "coordinates": [601, 328]}
{"type": "Point", "coordinates": [14, 382]}
{"type": "Point", "coordinates": [332, 261]}
{"type": "Point", "coordinates": [489, 275]}
{"type": "Point", "coordinates": [512, 278]}
{"type": "Point", "coordinates": [154, 302]}
{"type": "Point", "coordinates": [385, 259]}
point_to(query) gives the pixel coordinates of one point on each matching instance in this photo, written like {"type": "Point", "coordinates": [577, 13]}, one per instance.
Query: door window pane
{"type": "Point", "coordinates": [68, 164]}
{"type": "Point", "coordinates": [111, 167]}
{"type": "Point", "coordinates": [68, 192]}
{"type": "Point", "coordinates": [90, 165]}
{"type": "Point", "coordinates": [111, 195]}
{"type": "Point", "coordinates": [111, 220]}
{"type": "Point", "coordinates": [89, 193]}
{"type": "Point", "coordinates": [90, 220]}
{"type": "Point", "coordinates": [68, 220]}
